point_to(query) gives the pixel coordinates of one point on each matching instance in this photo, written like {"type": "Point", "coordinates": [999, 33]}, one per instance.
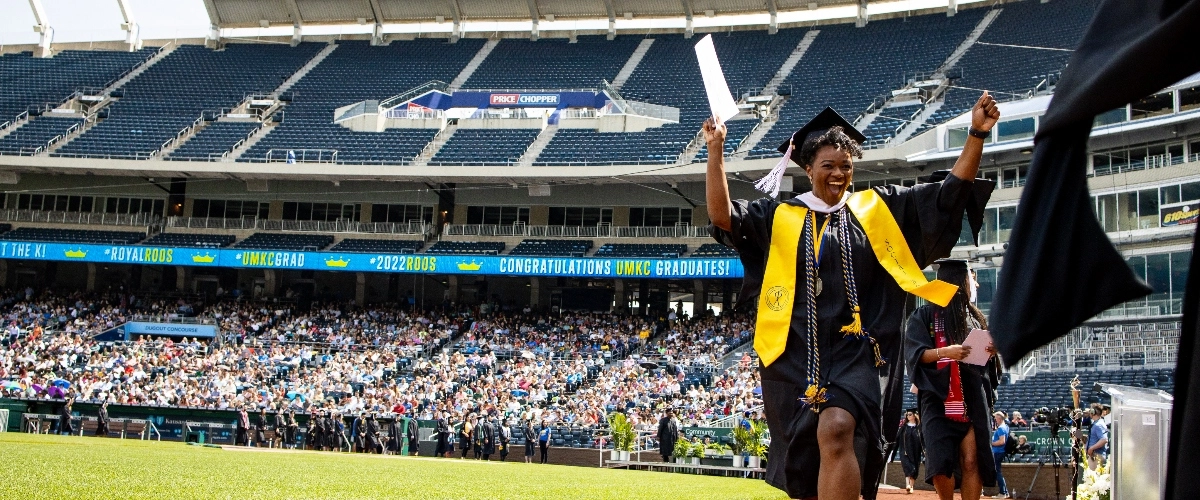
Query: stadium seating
{"type": "Point", "coordinates": [833, 72]}
{"type": "Point", "coordinates": [364, 245]}
{"type": "Point", "coordinates": [285, 241]}
{"type": "Point", "coordinates": [354, 72]}
{"type": "Point", "coordinates": [552, 248]}
{"type": "Point", "coordinates": [890, 118]}
{"type": "Point", "coordinates": [735, 132]}
{"type": "Point", "coordinates": [668, 75]}
{"type": "Point", "coordinates": [714, 250]}
{"type": "Point", "coordinates": [27, 81]}
{"type": "Point", "coordinates": [1007, 71]}
{"type": "Point", "coordinates": [467, 247]}
{"type": "Point", "coordinates": [553, 63]}
{"type": "Point", "coordinates": [660, 250]}
{"type": "Point", "coordinates": [35, 135]}
{"type": "Point", "coordinates": [190, 240]}
{"type": "Point", "coordinates": [485, 147]}
{"type": "Point", "coordinates": [73, 236]}
{"type": "Point", "coordinates": [213, 141]}
{"type": "Point", "coordinates": [170, 95]}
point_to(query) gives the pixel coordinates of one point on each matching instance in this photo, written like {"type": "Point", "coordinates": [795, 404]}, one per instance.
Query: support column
{"type": "Point", "coordinates": [452, 283]}
{"type": "Point", "coordinates": [699, 298]}
{"type": "Point", "coordinates": [643, 295]}
{"type": "Point", "coordinates": [535, 292]}
{"type": "Point", "coordinates": [269, 282]}
{"type": "Point", "coordinates": [180, 278]}
{"type": "Point", "coordinates": [619, 296]}
{"type": "Point", "coordinates": [133, 32]}
{"type": "Point", "coordinates": [91, 277]}
{"type": "Point", "coordinates": [43, 28]}
{"type": "Point", "coordinates": [360, 288]}
{"type": "Point", "coordinates": [726, 296]}
{"type": "Point", "coordinates": [952, 8]}
{"type": "Point", "coordinates": [3, 273]}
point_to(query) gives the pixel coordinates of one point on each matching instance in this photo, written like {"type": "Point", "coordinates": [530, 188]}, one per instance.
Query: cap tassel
{"type": "Point", "coordinates": [769, 184]}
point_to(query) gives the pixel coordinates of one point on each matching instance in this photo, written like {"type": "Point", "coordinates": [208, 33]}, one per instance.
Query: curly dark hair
{"type": "Point", "coordinates": [835, 137]}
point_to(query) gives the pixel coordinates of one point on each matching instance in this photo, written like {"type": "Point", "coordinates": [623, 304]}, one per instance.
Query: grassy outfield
{"type": "Point", "coordinates": [39, 466]}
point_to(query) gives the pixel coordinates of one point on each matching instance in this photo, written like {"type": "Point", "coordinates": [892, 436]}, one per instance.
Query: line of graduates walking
{"type": "Point", "coordinates": [483, 435]}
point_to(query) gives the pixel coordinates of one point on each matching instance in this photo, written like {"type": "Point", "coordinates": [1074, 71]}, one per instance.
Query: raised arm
{"type": "Point", "coordinates": [716, 186]}
{"type": "Point", "coordinates": [983, 117]}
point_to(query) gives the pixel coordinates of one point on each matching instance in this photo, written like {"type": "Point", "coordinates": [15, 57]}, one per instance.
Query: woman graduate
{"type": "Point", "coordinates": [955, 398]}
{"type": "Point", "coordinates": [910, 447]}
{"type": "Point", "coordinates": [830, 270]}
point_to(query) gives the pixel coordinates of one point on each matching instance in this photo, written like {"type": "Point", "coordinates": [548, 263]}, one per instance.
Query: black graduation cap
{"type": "Point", "coordinates": [951, 270]}
{"type": "Point", "coordinates": [824, 121]}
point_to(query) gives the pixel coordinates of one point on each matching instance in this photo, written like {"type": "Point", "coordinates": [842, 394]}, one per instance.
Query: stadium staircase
{"type": "Point", "coordinates": [692, 150]}
{"type": "Point", "coordinates": [473, 65]}
{"type": "Point", "coordinates": [537, 146]}
{"type": "Point", "coordinates": [312, 63]}
{"type": "Point", "coordinates": [632, 63]}
{"type": "Point", "coordinates": [250, 141]}
{"type": "Point", "coordinates": [87, 123]}
{"type": "Point", "coordinates": [162, 53]}
{"type": "Point", "coordinates": [13, 125]}
{"type": "Point", "coordinates": [935, 101]}
{"type": "Point", "coordinates": [772, 88]}
{"type": "Point", "coordinates": [790, 63]}
{"type": "Point", "coordinates": [432, 148]}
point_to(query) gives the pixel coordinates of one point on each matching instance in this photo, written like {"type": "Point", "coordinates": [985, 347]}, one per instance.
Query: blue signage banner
{"type": "Point", "coordinates": [502, 265]}
{"type": "Point", "coordinates": [133, 328]}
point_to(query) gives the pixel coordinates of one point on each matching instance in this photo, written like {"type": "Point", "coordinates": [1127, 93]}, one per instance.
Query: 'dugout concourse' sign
{"type": "Point", "coordinates": [586, 267]}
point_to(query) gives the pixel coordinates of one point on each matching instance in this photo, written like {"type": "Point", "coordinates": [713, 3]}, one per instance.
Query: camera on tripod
{"type": "Point", "coordinates": [1055, 417]}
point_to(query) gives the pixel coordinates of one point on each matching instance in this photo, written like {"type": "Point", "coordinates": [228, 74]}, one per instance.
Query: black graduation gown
{"type": "Point", "coordinates": [372, 435]}
{"type": "Point", "coordinates": [102, 422]}
{"type": "Point", "coordinates": [443, 437]}
{"type": "Point", "coordinates": [360, 432]}
{"type": "Point", "coordinates": [64, 421]}
{"type": "Point", "coordinates": [394, 435]}
{"type": "Point", "coordinates": [260, 431]}
{"type": "Point", "coordinates": [943, 436]}
{"type": "Point", "coordinates": [530, 437]}
{"type": "Point", "coordinates": [487, 435]}
{"type": "Point", "coordinates": [909, 446]}
{"type": "Point", "coordinates": [668, 434]}
{"type": "Point", "coordinates": [930, 216]}
{"type": "Point", "coordinates": [414, 433]}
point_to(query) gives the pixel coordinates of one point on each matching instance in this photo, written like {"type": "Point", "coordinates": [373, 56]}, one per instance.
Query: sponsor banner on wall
{"type": "Point", "coordinates": [586, 267]}
{"type": "Point", "coordinates": [171, 329]}
{"type": "Point", "coordinates": [1178, 215]}
{"type": "Point", "coordinates": [532, 100]}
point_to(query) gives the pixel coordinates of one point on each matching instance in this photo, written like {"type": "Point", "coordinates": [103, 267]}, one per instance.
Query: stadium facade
{"type": "Point", "coordinates": [542, 167]}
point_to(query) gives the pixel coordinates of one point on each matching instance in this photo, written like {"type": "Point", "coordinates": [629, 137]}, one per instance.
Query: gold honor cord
{"type": "Point", "coordinates": [892, 250]}
{"type": "Point", "coordinates": [778, 292]}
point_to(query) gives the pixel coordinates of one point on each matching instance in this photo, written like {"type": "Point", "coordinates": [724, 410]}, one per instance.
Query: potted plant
{"type": "Point", "coordinates": [621, 431]}
{"type": "Point", "coordinates": [755, 446]}
{"type": "Point", "coordinates": [697, 452]}
{"type": "Point", "coordinates": [682, 448]}
{"type": "Point", "coordinates": [740, 444]}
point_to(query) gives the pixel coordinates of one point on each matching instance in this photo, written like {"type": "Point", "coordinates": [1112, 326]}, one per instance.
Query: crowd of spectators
{"type": "Point", "coordinates": [561, 369]}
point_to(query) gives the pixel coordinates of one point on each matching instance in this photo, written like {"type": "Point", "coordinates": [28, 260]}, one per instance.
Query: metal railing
{"type": "Point", "coordinates": [412, 93]}
{"type": "Point", "coordinates": [598, 231]}
{"type": "Point", "coordinates": [301, 156]}
{"type": "Point", "coordinates": [339, 226]}
{"type": "Point", "coordinates": [83, 218]}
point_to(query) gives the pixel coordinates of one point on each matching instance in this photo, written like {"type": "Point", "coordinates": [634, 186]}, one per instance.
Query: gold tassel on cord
{"type": "Point", "coordinates": [855, 327]}
{"type": "Point", "coordinates": [879, 361]}
{"type": "Point", "coordinates": [814, 397]}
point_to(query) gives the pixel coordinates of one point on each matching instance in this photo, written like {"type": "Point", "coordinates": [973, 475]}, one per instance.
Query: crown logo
{"type": "Point", "coordinates": [340, 262]}
{"type": "Point", "coordinates": [203, 259]}
{"type": "Point", "coordinates": [473, 266]}
{"type": "Point", "coordinates": [75, 254]}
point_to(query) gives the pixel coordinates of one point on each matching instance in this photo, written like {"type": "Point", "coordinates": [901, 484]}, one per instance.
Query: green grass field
{"type": "Point", "coordinates": [38, 466]}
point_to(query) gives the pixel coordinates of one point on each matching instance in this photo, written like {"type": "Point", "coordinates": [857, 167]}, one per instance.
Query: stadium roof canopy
{"type": "Point", "coordinates": [456, 16]}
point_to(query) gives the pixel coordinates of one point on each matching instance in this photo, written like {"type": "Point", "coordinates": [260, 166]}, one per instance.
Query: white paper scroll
{"type": "Point", "coordinates": [720, 101]}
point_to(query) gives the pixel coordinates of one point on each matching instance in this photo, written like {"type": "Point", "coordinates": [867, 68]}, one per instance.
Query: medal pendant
{"type": "Point", "coordinates": [818, 286]}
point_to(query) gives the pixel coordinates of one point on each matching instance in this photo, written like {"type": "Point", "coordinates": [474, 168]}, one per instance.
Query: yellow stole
{"type": "Point", "coordinates": [778, 292]}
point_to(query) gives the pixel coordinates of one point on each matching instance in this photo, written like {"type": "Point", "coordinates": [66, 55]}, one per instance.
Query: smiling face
{"type": "Point", "coordinates": [831, 172]}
